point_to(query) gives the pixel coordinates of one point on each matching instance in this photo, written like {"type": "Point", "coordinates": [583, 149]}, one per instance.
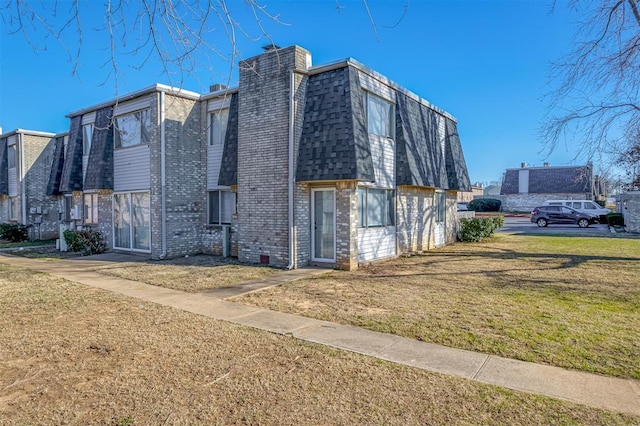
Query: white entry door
{"type": "Point", "coordinates": [323, 225]}
{"type": "Point", "coordinates": [440, 205]}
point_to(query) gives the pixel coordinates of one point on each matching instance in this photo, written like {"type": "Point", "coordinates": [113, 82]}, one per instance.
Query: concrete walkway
{"type": "Point", "coordinates": [590, 389]}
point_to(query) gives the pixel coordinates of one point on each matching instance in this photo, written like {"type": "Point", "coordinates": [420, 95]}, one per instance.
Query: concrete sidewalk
{"type": "Point", "coordinates": [584, 388]}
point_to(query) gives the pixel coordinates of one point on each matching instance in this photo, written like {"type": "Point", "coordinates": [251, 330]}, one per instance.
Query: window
{"type": "Point", "coordinates": [132, 221]}
{"type": "Point", "coordinates": [14, 208]}
{"type": "Point", "coordinates": [440, 205]}
{"type": "Point", "coordinates": [376, 207]}
{"type": "Point", "coordinates": [591, 206]}
{"type": "Point", "coordinates": [90, 211]}
{"type": "Point", "coordinates": [218, 126]}
{"type": "Point", "coordinates": [87, 134]}
{"type": "Point", "coordinates": [68, 205]}
{"type": "Point", "coordinates": [12, 156]}
{"type": "Point", "coordinates": [132, 129]}
{"type": "Point", "coordinates": [222, 205]}
{"type": "Point", "coordinates": [380, 119]}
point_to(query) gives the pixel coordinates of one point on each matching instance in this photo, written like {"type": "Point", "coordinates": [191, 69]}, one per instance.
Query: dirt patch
{"type": "Point", "coordinates": [76, 355]}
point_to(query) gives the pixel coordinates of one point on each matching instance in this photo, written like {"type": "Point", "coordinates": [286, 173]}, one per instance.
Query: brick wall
{"type": "Point", "coordinates": [185, 178]}
{"type": "Point", "coordinates": [347, 225]}
{"type": "Point", "coordinates": [415, 219]}
{"type": "Point", "coordinates": [263, 139]}
{"type": "Point", "coordinates": [526, 202]}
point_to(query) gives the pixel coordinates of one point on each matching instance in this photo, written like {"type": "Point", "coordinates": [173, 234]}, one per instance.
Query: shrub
{"type": "Point", "coordinates": [14, 232]}
{"type": "Point", "coordinates": [87, 241]}
{"type": "Point", "coordinates": [478, 228]}
{"type": "Point", "coordinates": [615, 219]}
{"type": "Point", "coordinates": [485, 205]}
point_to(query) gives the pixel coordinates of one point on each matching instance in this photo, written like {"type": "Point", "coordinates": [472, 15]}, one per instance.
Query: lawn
{"type": "Point", "coordinates": [191, 274]}
{"type": "Point", "coordinates": [75, 355]}
{"type": "Point", "coordinates": [566, 301]}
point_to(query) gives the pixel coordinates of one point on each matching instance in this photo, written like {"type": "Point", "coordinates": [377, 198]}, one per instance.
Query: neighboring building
{"type": "Point", "coordinates": [333, 165]}
{"type": "Point", "coordinates": [528, 187]}
{"type": "Point", "coordinates": [491, 191]}
{"type": "Point", "coordinates": [629, 205]}
{"type": "Point", "coordinates": [25, 165]}
{"type": "Point", "coordinates": [466, 196]}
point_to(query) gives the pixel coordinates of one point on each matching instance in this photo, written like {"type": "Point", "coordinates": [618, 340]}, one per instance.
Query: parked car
{"type": "Point", "coordinates": [463, 207]}
{"type": "Point", "coordinates": [545, 215]}
{"type": "Point", "coordinates": [585, 206]}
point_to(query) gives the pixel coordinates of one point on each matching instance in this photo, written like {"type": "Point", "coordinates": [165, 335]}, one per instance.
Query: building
{"type": "Point", "coordinates": [527, 187]}
{"type": "Point", "coordinates": [25, 165]}
{"type": "Point", "coordinates": [467, 196]}
{"type": "Point", "coordinates": [333, 165]}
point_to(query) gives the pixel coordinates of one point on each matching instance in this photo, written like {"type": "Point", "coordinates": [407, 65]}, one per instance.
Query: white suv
{"type": "Point", "coordinates": [585, 206]}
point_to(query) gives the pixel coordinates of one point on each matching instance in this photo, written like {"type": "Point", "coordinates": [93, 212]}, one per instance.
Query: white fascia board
{"type": "Point", "coordinates": [28, 132]}
{"type": "Point", "coordinates": [219, 93]}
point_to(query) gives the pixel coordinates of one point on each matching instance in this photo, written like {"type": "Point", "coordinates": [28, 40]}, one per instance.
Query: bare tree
{"type": "Point", "coordinates": [596, 96]}
{"type": "Point", "coordinates": [180, 35]}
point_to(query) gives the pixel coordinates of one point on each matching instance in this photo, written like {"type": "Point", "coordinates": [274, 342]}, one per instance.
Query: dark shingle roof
{"type": "Point", "coordinates": [53, 185]}
{"type": "Point", "coordinates": [229, 167]}
{"type": "Point", "coordinates": [419, 153]}
{"type": "Point", "coordinates": [550, 180]}
{"type": "Point", "coordinates": [334, 141]}
{"type": "Point", "coordinates": [72, 170]}
{"type": "Point", "coordinates": [4, 168]}
{"type": "Point", "coordinates": [457, 173]}
{"type": "Point", "coordinates": [99, 174]}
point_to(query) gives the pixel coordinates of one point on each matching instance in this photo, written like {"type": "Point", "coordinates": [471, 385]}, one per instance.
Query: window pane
{"type": "Point", "coordinates": [121, 221]}
{"type": "Point", "coordinates": [132, 129]}
{"type": "Point", "coordinates": [376, 211]}
{"type": "Point", "coordinates": [87, 134]}
{"type": "Point", "coordinates": [228, 200]}
{"type": "Point", "coordinates": [391, 208]}
{"type": "Point", "coordinates": [379, 116]}
{"type": "Point", "coordinates": [141, 220]}
{"type": "Point", "coordinates": [214, 207]}
{"type": "Point", "coordinates": [440, 206]}
{"type": "Point", "coordinates": [362, 207]}
{"type": "Point", "coordinates": [218, 126]}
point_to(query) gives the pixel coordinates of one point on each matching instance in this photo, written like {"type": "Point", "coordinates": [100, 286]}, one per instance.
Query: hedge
{"type": "Point", "coordinates": [485, 205]}
{"type": "Point", "coordinates": [478, 228]}
{"type": "Point", "coordinates": [86, 241]}
{"type": "Point", "coordinates": [14, 232]}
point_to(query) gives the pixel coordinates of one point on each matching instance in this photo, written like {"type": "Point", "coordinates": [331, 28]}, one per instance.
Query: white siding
{"type": "Point", "coordinates": [216, 104]}
{"type": "Point", "coordinates": [377, 87]}
{"type": "Point", "coordinates": [132, 168]}
{"type": "Point", "coordinates": [376, 243]}
{"type": "Point", "coordinates": [134, 105]}
{"type": "Point", "coordinates": [214, 160]}
{"type": "Point", "coordinates": [523, 182]}
{"type": "Point", "coordinates": [383, 157]}
{"type": "Point", "coordinates": [13, 182]}
{"type": "Point", "coordinates": [89, 118]}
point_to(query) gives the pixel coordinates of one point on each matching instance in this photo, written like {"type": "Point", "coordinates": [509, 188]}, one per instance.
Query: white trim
{"type": "Point", "coordinates": [312, 223]}
{"type": "Point", "coordinates": [217, 104]}
{"type": "Point", "coordinates": [132, 106]}
{"type": "Point", "coordinates": [12, 140]}
{"type": "Point", "coordinates": [89, 118]}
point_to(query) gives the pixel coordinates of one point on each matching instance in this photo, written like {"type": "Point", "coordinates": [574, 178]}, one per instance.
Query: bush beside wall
{"type": "Point", "coordinates": [87, 241]}
{"type": "Point", "coordinates": [478, 228]}
{"type": "Point", "coordinates": [485, 205]}
{"type": "Point", "coordinates": [14, 232]}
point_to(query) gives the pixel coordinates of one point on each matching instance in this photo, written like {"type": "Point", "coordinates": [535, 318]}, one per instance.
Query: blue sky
{"type": "Point", "coordinates": [485, 62]}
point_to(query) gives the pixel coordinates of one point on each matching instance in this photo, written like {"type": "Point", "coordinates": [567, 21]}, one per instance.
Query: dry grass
{"type": "Point", "coordinates": [80, 356]}
{"type": "Point", "coordinates": [191, 274]}
{"type": "Point", "coordinates": [570, 302]}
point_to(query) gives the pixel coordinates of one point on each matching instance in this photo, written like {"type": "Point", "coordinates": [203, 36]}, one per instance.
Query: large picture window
{"type": "Point", "coordinates": [380, 119]}
{"type": "Point", "coordinates": [90, 211]}
{"type": "Point", "coordinates": [218, 126]}
{"type": "Point", "coordinates": [132, 221]}
{"type": "Point", "coordinates": [132, 129]}
{"type": "Point", "coordinates": [222, 206]}
{"type": "Point", "coordinates": [376, 207]}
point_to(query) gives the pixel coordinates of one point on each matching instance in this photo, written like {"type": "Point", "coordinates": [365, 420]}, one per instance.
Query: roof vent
{"type": "Point", "coordinates": [523, 165]}
{"type": "Point", "coordinates": [546, 164]}
{"type": "Point", "coordinates": [217, 87]}
{"type": "Point", "coordinates": [270, 47]}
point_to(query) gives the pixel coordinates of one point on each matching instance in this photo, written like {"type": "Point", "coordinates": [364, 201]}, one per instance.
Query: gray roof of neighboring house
{"type": "Point", "coordinates": [550, 180]}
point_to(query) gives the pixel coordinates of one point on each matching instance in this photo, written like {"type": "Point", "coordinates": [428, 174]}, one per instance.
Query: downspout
{"type": "Point", "coordinates": [163, 177]}
{"type": "Point", "coordinates": [292, 254]}
{"type": "Point", "coordinates": [23, 184]}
